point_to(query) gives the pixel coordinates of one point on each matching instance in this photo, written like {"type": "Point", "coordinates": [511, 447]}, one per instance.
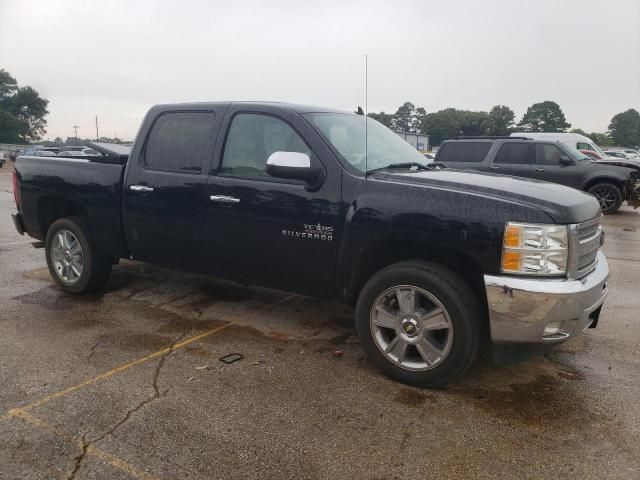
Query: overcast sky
{"type": "Point", "coordinates": [117, 58]}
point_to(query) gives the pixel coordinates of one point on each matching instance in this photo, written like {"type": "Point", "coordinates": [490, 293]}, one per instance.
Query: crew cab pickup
{"type": "Point", "coordinates": [288, 197]}
{"type": "Point", "coordinates": [611, 182]}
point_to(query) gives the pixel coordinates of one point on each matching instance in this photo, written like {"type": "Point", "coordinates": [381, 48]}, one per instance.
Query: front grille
{"type": "Point", "coordinates": [587, 229]}
{"type": "Point", "coordinates": [585, 245]}
{"type": "Point", "coordinates": [587, 260]}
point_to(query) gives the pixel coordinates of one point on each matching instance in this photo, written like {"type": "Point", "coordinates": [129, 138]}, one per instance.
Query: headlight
{"type": "Point", "coordinates": [535, 249]}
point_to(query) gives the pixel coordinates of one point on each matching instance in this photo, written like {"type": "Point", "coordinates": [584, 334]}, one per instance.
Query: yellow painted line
{"type": "Point", "coordinates": [91, 450]}
{"type": "Point", "coordinates": [121, 368]}
{"type": "Point", "coordinates": [139, 361]}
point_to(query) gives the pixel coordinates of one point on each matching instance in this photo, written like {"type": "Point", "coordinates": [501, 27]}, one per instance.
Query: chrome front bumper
{"type": "Point", "coordinates": [542, 311]}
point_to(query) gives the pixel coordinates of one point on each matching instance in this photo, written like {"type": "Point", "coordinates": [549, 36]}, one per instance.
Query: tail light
{"type": "Point", "coordinates": [16, 189]}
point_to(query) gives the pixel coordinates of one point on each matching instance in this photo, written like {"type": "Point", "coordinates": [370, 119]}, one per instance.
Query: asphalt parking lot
{"type": "Point", "coordinates": [128, 384]}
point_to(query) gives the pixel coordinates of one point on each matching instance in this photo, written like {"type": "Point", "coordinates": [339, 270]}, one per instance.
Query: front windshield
{"type": "Point", "coordinates": [577, 154]}
{"type": "Point", "coordinates": [347, 132]}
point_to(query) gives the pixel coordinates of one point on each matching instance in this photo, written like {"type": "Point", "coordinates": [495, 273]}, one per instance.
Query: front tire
{"type": "Point", "coordinates": [419, 323]}
{"type": "Point", "coordinates": [608, 195]}
{"type": "Point", "coordinates": [73, 260]}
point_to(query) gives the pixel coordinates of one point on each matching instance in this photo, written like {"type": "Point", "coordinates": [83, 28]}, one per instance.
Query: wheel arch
{"type": "Point", "coordinates": [605, 179]}
{"type": "Point", "coordinates": [383, 254]}
{"type": "Point", "coordinates": [49, 209]}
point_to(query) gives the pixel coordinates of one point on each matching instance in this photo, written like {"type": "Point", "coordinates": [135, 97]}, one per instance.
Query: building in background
{"type": "Point", "coordinates": [417, 140]}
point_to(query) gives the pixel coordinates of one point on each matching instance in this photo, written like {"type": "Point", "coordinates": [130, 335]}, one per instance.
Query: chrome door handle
{"type": "Point", "coordinates": [224, 199]}
{"type": "Point", "coordinates": [493, 167]}
{"type": "Point", "coordinates": [140, 188]}
{"type": "Point", "coordinates": [539, 169]}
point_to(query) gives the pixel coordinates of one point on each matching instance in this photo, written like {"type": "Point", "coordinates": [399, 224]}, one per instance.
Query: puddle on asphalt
{"type": "Point", "coordinates": [52, 298]}
{"type": "Point", "coordinates": [38, 274]}
{"type": "Point", "coordinates": [413, 397]}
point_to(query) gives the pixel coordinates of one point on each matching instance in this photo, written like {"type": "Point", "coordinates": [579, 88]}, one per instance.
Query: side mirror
{"type": "Point", "coordinates": [292, 165]}
{"type": "Point", "coordinates": [566, 160]}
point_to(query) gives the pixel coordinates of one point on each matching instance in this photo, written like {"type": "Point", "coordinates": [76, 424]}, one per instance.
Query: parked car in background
{"type": "Point", "coordinates": [572, 140]}
{"type": "Point", "coordinates": [90, 152]}
{"type": "Point", "coordinates": [71, 153]}
{"type": "Point", "coordinates": [625, 154]}
{"type": "Point", "coordinates": [545, 160]}
{"type": "Point", "coordinates": [593, 155]}
{"type": "Point", "coordinates": [43, 153]}
{"type": "Point", "coordinates": [618, 151]}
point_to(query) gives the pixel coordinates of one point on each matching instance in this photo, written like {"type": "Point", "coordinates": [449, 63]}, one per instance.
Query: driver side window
{"type": "Point", "coordinates": [252, 138]}
{"type": "Point", "coordinates": [548, 154]}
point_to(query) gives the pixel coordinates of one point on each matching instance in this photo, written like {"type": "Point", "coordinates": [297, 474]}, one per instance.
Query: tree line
{"type": "Point", "coordinates": [23, 112]}
{"type": "Point", "coordinates": [547, 116]}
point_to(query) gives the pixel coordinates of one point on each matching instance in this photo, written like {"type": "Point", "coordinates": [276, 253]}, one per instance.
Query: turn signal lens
{"type": "Point", "coordinates": [512, 235]}
{"type": "Point", "coordinates": [535, 249]}
{"type": "Point", "coordinates": [511, 261]}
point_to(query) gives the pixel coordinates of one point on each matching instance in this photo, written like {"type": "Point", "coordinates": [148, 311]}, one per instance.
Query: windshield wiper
{"type": "Point", "coordinates": [410, 165]}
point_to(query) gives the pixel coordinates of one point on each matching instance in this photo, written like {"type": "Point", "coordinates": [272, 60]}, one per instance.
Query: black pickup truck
{"type": "Point", "coordinates": [288, 197]}
{"type": "Point", "coordinates": [610, 182]}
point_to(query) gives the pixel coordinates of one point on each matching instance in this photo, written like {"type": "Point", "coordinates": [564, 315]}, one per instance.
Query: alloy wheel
{"type": "Point", "coordinates": [67, 256]}
{"type": "Point", "coordinates": [411, 328]}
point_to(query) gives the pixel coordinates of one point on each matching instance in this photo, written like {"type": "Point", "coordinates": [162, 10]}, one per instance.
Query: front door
{"type": "Point", "coordinates": [268, 231]}
{"type": "Point", "coordinates": [548, 167]}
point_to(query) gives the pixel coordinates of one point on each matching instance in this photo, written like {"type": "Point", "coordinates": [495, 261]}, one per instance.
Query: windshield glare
{"type": "Point", "coordinates": [347, 134]}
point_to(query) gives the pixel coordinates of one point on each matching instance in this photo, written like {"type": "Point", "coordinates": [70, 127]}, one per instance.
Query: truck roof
{"type": "Point", "coordinates": [290, 106]}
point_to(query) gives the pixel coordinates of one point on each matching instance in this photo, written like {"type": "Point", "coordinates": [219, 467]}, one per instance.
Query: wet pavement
{"type": "Point", "coordinates": [129, 384]}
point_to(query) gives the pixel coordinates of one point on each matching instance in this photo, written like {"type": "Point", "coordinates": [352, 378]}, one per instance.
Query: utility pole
{"type": "Point", "coordinates": [97, 134]}
{"type": "Point", "coordinates": [75, 129]}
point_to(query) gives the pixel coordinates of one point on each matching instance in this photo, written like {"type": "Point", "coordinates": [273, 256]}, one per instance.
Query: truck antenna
{"type": "Point", "coordinates": [366, 114]}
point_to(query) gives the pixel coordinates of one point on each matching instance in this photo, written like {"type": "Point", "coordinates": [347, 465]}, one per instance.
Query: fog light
{"type": "Point", "coordinates": [552, 328]}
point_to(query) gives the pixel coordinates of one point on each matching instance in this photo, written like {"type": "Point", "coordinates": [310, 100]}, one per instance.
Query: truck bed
{"type": "Point", "coordinates": [93, 186]}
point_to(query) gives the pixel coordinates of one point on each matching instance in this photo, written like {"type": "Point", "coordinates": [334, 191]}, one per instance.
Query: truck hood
{"type": "Point", "coordinates": [562, 204]}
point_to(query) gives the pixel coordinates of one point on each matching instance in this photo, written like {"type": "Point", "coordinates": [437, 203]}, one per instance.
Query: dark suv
{"type": "Point", "coordinates": [544, 160]}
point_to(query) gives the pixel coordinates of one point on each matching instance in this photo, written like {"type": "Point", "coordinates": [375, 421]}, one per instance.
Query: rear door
{"type": "Point", "coordinates": [548, 167]}
{"type": "Point", "coordinates": [269, 231]}
{"type": "Point", "coordinates": [465, 154]}
{"type": "Point", "coordinates": [513, 158]}
{"type": "Point", "coordinates": [165, 188]}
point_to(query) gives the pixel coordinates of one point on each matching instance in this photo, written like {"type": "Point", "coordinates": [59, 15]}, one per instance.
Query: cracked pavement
{"type": "Point", "coordinates": [128, 384]}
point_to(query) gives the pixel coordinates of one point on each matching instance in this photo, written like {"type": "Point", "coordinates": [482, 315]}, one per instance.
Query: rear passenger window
{"type": "Point", "coordinates": [514, 153]}
{"type": "Point", "coordinates": [463, 151]}
{"type": "Point", "coordinates": [180, 142]}
{"type": "Point", "coordinates": [547, 154]}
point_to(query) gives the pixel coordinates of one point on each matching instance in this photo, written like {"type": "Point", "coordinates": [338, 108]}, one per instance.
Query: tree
{"type": "Point", "coordinates": [22, 111]}
{"type": "Point", "coordinates": [473, 123]}
{"type": "Point", "coordinates": [624, 128]}
{"type": "Point", "coordinates": [443, 125]}
{"type": "Point", "coordinates": [579, 131]}
{"type": "Point", "coordinates": [500, 121]}
{"type": "Point", "coordinates": [544, 117]}
{"type": "Point", "coordinates": [8, 85]}
{"type": "Point", "coordinates": [600, 139]}
{"type": "Point", "coordinates": [385, 119]}
{"type": "Point", "coordinates": [406, 118]}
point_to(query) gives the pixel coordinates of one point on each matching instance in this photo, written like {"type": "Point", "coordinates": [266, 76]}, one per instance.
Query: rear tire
{"type": "Point", "coordinates": [73, 260]}
{"type": "Point", "coordinates": [608, 195]}
{"type": "Point", "coordinates": [427, 338]}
